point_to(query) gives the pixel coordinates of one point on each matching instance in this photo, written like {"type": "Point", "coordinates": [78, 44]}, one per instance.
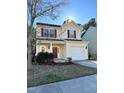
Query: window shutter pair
{"type": "Point", "coordinates": [69, 34]}
{"type": "Point", "coordinates": [43, 32]}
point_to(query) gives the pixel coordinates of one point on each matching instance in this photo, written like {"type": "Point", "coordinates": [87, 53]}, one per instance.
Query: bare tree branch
{"type": "Point", "coordinates": [39, 8]}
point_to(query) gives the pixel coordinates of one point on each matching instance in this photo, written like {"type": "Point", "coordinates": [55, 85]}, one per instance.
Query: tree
{"type": "Point", "coordinates": [35, 9]}
{"type": "Point", "coordinates": [91, 22]}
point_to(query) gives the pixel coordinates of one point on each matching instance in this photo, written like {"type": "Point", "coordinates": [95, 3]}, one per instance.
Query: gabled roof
{"type": "Point", "coordinates": [48, 24]}
{"type": "Point", "coordinates": [65, 22]}
{"type": "Point", "coordinates": [85, 31]}
{"type": "Point", "coordinates": [68, 21]}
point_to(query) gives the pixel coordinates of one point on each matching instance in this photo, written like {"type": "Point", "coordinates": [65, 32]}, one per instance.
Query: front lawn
{"type": "Point", "coordinates": [46, 73]}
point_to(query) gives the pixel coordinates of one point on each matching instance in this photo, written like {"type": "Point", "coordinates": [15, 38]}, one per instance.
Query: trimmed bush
{"type": "Point", "coordinates": [43, 57]}
{"type": "Point", "coordinates": [92, 56]}
{"type": "Point", "coordinates": [69, 59]}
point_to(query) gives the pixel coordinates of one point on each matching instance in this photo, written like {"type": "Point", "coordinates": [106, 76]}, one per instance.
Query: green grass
{"type": "Point", "coordinates": [54, 77]}
{"type": "Point", "coordinates": [45, 74]}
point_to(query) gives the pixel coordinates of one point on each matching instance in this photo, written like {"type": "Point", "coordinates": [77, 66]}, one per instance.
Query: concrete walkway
{"type": "Point", "coordinates": [87, 84]}
{"type": "Point", "coordinates": [87, 63]}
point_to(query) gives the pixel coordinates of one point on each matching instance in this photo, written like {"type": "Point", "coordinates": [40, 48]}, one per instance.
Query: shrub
{"type": "Point", "coordinates": [92, 56]}
{"type": "Point", "coordinates": [50, 55]}
{"type": "Point", "coordinates": [43, 57]}
{"type": "Point", "coordinates": [40, 57]}
{"type": "Point", "coordinates": [69, 59]}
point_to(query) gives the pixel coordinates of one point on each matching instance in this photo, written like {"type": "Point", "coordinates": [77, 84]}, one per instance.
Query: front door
{"type": "Point", "coordinates": [55, 52]}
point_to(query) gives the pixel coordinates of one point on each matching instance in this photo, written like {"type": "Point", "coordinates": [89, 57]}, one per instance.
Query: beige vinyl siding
{"type": "Point", "coordinates": [70, 26]}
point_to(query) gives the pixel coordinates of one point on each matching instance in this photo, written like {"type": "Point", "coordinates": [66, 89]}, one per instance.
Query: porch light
{"type": "Point", "coordinates": [48, 47]}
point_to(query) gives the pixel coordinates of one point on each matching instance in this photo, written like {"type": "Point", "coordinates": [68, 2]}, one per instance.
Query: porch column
{"type": "Point", "coordinates": [51, 50]}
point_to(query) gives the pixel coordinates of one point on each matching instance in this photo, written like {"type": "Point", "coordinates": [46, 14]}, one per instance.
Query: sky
{"type": "Point", "coordinates": [81, 11]}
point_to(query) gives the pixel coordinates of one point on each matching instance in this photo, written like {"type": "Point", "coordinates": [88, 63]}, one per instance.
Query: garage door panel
{"type": "Point", "coordinates": [77, 53]}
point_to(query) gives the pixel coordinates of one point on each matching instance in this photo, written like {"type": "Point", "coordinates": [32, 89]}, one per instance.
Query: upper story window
{"type": "Point", "coordinates": [52, 33]}
{"type": "Point", "coordinates": [71, 34]}
{"type": "Point", "coordinates": [48, 33]}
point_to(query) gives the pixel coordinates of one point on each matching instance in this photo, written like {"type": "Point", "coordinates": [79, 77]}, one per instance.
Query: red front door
{"type": "Point", "coordinates": [55, 52]}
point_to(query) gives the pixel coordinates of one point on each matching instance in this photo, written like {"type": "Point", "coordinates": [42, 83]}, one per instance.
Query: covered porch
{"type": "Point", "coordinates": [58, 48]}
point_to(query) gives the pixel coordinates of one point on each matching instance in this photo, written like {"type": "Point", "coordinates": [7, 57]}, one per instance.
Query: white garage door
{"type": "Point", "coordinates": [78, 53]}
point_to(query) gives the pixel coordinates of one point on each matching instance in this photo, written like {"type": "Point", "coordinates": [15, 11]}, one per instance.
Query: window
{"type": "Point", "coordinates": [46, 32]}
{"type": "Point", "coordinates": [52, 33]}
{"type": "Point", "coordinates": [71, 34]}
{"type": "Point", "coordinates": [49, 33]}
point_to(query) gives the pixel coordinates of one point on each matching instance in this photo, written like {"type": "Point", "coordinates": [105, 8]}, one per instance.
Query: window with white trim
{"type": "Point", "coordinates": [72, 34]}
{"type": "Point", "coordinates": [49, 33]}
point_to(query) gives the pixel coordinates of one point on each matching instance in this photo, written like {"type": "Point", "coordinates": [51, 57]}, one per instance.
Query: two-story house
{"type": "Point", "coordinates": [62, 40]}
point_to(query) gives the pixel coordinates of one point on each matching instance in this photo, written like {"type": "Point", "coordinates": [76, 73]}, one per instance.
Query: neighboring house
{"type": "Point", "coordinates": [62, 40]}
{"type": "Point", "coordinates": [91, 35]}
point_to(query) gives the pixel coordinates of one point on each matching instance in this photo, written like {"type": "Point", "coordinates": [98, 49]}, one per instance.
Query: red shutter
{"type": "Point", "coordinates": [68, 34]}
{"type": "Point", "coordinates": [74, 34]}
{"type": "Point", "coordinates": [41, 32]}
{"type": "Point", "coordinates": [55, 34]}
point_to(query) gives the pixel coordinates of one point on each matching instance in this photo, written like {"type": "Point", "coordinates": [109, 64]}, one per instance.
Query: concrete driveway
{"type": "Point", "coordinates": [88, 63]}
{"type": "Point", "coordinates": [87, 84]}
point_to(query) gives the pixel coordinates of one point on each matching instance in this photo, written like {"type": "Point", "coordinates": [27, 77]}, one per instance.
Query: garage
{"type": "Point", "coordinates": [78, 52]}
